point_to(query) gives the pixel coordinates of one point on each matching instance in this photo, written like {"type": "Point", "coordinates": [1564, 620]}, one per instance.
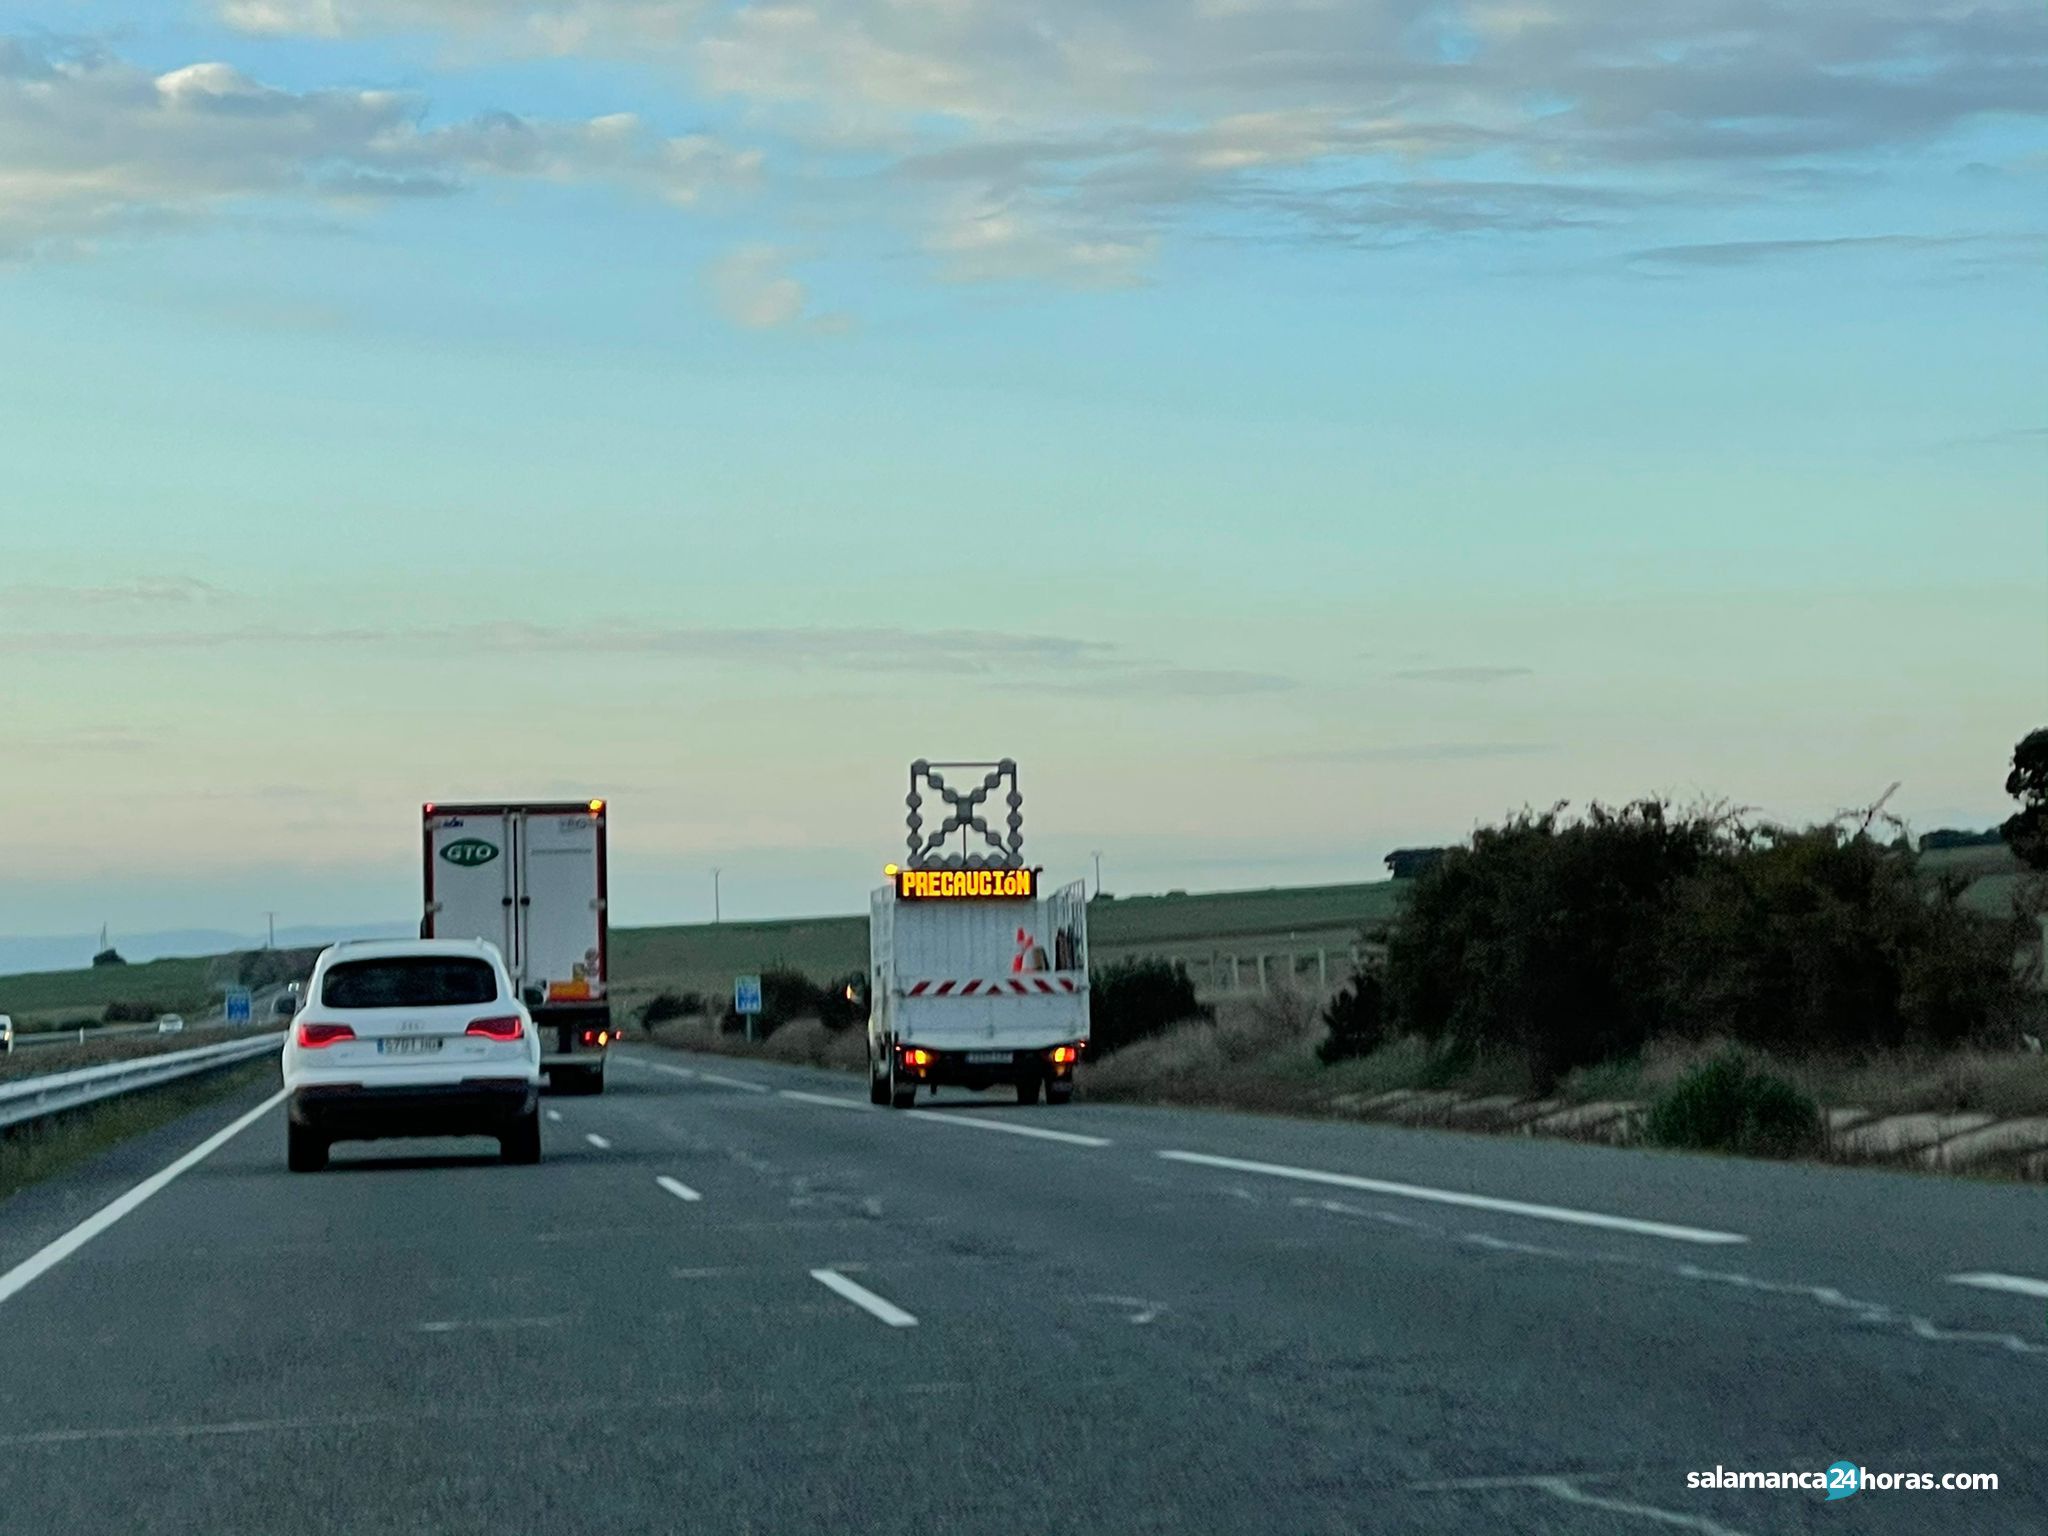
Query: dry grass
{"type": "Point", "coordinates": [802, 1042]}
{"type": "Point", "coordinates": [33, 1060]}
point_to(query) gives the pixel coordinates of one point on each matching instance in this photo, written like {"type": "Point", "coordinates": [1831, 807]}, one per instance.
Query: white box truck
{"type": "Point", "coordinates": [529, 877]}
{"type": "Point", "coordinates": [973, 978]}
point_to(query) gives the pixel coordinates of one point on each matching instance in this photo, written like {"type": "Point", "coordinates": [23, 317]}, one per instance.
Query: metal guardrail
{"type": "Point", "coordinates": [48, 1093]}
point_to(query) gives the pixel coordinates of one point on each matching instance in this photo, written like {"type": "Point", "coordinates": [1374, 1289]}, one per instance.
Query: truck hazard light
{"type": "Point", "coordinates": [966, 884]}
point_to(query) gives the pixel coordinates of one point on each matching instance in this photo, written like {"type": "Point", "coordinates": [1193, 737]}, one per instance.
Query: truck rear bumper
{"type": "Point", "coordinates": [477, 1107]}
{"type": "Point", "coordinates": [985, 1067]}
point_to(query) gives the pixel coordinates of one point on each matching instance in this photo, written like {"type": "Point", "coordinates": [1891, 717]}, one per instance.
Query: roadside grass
{"type": "Point", "coordinates": [34, 1060]}
{"type": "Point", "coordinates": [35, 1151]}
{"type": "Point", "coordinates": [799, 1043]}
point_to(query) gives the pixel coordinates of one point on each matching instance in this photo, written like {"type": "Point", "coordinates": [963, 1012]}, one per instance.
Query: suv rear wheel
{"type": "Point", "coordinates": [523, 1144]}
{"type": "Point", "coordinates": [305, 1150]}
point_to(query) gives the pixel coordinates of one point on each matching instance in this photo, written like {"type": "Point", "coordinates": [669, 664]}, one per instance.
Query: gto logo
{"type": "Point", "coordinates": [469, 852]}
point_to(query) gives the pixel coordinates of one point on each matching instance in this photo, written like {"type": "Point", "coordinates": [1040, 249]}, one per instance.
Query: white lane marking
{"type": "Point", "coordinates": [1141, 1311]}
{"type": "Point", "coordinates": [733, 1082]}
{"type": "Point", "coordinates": [864, 1298]}
{"type": "Point", "coordinates": [2017, 1285]}
{"type": "Point", "coordinates": [656, 1066]}
{"type": "Point", "coordinates": [54, 1253]}
{"type": "Point", "coordinates": [452, 1324]}
{"type": "Point", "coordinates": [1563, 1488]}
{"type": "Point", "coordinates": [1002, 1125]}
{"type": "Point", "coordinates": [555, 1115]}
{"type": "Point", "coordinates": [822, 1098]}
{"type": "Point", "coordinates": [597, 1141]}
{"type": "Point", "coordinates": [676, 1187]}
{"type": "Point", "coordinates": [1468, 1202]}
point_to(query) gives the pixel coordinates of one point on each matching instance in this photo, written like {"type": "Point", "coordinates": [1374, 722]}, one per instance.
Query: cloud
{"type": "Point", "coordinates": [93, 147]}
{"type": "Point", "coordinates": [2012, 437]}
{"type": "Point", "coordinates": [1422, 752]}
{"type": "Point", "coordinates": [753, 288]}
{"type": "Point", "coordinates": [1180, 682]}
{"type": "Point", "coordinates": [522, 26]}
{"type": "Point", "coordinates": [1738, 253]}
{"type": "Point", "coordinates": [148, 591]}
{"type": "Point", "coordinates": [1463, 676]}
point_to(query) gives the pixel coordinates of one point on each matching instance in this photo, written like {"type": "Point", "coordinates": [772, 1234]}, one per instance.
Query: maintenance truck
{"type": "Point", "coordinates": [975, 978]}
{"type": "Point", "coordinates": [529, 878]}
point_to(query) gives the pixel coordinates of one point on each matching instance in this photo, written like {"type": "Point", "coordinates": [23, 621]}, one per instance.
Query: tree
{"type": "Point", "coordinates": [2026, 832]}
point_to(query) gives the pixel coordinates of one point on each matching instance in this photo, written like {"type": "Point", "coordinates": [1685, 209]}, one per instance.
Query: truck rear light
{"type": "Point", "coordinates": [504, 1027]}
{"type": "Point", "coordinates": [318, 1036]}
{"type": "Point", "coordinates": [915, 1058]}
{"type": "Point", "coordinates": [1062, 1053]}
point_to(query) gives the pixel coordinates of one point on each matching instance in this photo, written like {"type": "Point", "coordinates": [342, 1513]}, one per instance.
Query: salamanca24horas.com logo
{"type": "Point", "coordinates": [469, 851]}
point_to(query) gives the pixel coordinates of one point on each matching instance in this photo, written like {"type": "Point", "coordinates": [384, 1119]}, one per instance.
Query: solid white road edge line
{"type": "Point", "coordinates": [2017, 1285]}
{"type": "Point", "coordinates": [864, 1298]}
{"type": "Point", "coordinates": [32, 1266]}
{"type": "Point", "coordinates": [822, 1098]}
{"type": "Point", "coordinates": [676, 1187]}
{"type": "Point", "coordinates": [732, 1082]}
{"type": "Point", "coordinates": [597, 1141]}
{"type": "Point", "coordinates": [1468, 1202]}
{"type": "Point", "coordinates": [1068, 1137]}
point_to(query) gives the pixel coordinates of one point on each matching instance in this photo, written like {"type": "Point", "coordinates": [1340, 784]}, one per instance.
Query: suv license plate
{"type": "Point", "coordinates": [988, 1058]}
{"type": "Point", "coordinates": [408, 1045]}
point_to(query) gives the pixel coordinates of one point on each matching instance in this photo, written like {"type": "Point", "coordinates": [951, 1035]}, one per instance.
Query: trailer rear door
{"type": "Point", "coordinates": [561, 906]}
{"type": "Point", "coordinates": [471, 865]}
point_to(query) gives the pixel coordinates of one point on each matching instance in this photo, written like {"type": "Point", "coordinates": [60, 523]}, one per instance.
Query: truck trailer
{"type": "Point", "coordinates": [529, 878]}
{"type": "Point", "coordinates": [974, 977]}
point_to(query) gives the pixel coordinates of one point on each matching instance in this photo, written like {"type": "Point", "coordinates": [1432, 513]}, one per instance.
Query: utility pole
{"type": "Point", "coordinates": [1098, 871]}
{"type": "Point", "coordinates": [715, 914]}
{"type": "Point", "coordinates": [271, 918]}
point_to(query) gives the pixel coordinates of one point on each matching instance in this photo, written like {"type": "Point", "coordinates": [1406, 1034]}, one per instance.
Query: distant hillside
{"type": "Point", "coordinates": [72, 951]}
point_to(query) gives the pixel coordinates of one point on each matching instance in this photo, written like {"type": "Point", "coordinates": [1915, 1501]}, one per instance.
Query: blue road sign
{"type": "Point", "coordinates": [746, 994]}
{"type": "Point", "coordinates": [239, 1010]}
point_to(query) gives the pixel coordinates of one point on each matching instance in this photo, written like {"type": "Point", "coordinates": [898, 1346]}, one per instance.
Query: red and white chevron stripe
{"type": "Point", "coordinates": [985, 986]}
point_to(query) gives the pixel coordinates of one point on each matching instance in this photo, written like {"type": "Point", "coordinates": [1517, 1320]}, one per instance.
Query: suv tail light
{"type": "Point", "coordinates": [315, 1036]}
{"type": "Point", "coordinates": [506, 1027]}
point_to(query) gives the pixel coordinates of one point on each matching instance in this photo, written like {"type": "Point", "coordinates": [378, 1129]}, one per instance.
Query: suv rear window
{"type": "Point", "coordinates": [410, 981]}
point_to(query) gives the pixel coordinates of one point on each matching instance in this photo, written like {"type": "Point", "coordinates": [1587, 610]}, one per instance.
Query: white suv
{"type": "Point", "coordinates": [411, 1037]}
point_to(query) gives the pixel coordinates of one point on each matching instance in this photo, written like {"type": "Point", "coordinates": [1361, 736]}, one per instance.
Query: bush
{"type": "Point", "coordinates": [1575, 942]}
{"type": "Point", "coordinates": [663, 1006]}
{"type": "Point", "coordinates": [785, 995]}
{"type": "Point", "coordinates": [133, 1013]}
{"type": "Point", "coordinates": [1357, 1020]}
{"type": "Point", "coordinates": [1728, 1105]}
{"type": "Point", "coordinates": [272, 967]}
{"type": "Point", "coordinates": [1133, 999]}
{"type": "Point", "coordinates": [108, 957]}
{"type": "Point", "coordinates": [843, 1002]}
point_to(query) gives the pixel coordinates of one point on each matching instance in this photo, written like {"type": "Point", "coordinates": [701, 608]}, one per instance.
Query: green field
{"type": "Point", "coordinates": [63, 997]}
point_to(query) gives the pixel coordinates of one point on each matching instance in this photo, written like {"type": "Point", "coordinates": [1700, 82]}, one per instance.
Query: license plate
{"type": "Point", "coordinates": [988, 1058]}
{"type": "Point", "coordinates": [408, 1045]}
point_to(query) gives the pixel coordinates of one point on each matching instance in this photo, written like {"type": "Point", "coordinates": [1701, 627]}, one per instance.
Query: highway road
{"type": "Point", "coordinates": [735, 1297]}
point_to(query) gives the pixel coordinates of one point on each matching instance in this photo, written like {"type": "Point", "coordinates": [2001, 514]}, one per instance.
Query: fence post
{"type": "Point", "coordinates": [1262, 973]}
{"type": "Point", "coordinates": [1323, 968]}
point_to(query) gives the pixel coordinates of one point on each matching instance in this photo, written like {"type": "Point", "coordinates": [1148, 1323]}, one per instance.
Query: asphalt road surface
{"type": "Point", "coordinates": [735, 1297]}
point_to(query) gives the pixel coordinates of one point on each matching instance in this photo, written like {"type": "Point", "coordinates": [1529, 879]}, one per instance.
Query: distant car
{"type": "Point", "coordinates": [411, 1037]}
{"type": "Point", "coordinates": [286, 1005]}
{"type": "Point", "coordinates": [170, 1024]}
{"type": "Point", "coordinates": [6, 1033]}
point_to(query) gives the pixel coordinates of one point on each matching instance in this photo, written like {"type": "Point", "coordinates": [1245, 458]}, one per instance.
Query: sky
{"type": "Point", "coordinates": [1292, 429]}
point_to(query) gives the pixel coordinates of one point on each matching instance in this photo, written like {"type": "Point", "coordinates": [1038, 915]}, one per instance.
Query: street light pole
{"type": "Point", "coordinates": [1098, 871]}
{"type": "Point", "coordinates": [271, 918]}
{"type": "Point", "coordinates": [715, 913]}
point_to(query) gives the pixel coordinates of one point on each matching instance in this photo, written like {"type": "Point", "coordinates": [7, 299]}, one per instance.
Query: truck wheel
{"type": "Point", "coordinates": [902, 1090]}
{"type": "Point", "coordinates": [523, 1144]}
{"type": "Point", "coordinates": [878, 1086]}
{"type": "Point", "coordinates": [1027, 1090]}
{"type": "Point", "coordinates": [1059, 1093]}
{"type": "Point", "coordinates": [593, 1080]}
{"type": "Point", "coordinates": [305, 1150]}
